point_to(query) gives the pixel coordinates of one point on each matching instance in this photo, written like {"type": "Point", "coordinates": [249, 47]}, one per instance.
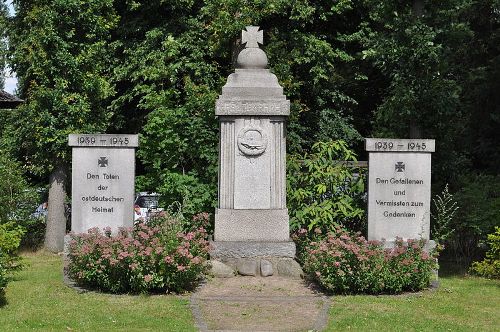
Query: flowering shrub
{"type": "Point", "coordinates": [346, 263]}
{"type": "Point", "coordinates": [146, 258]}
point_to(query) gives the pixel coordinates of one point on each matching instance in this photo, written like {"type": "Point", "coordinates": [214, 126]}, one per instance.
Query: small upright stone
{"type": "Point", "coordinates": [288, 267]}
{"type": "Point", "coordinates": [220, 270]}
{"type": "Point", "coordinates": [247, 267]}
{"type": "Point", "coordinates": [266, 268]}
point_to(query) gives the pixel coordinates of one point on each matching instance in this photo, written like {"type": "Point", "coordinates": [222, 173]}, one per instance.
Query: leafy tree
{"type": "Point", "coordinates": [59, 52]}
{"type": "Point", "coordinates": [3, 42]}
{"type": "Point", "coordinates": [325, 189]}
{"type": "Point", "coordinates": [169, 70]}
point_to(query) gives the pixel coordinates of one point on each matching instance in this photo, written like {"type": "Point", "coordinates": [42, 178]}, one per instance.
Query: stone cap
{"type": "Point", "coordinates": [252, 89]}
{"type": "Point", "coordinates": [414, 145]}
{"type": "Point", "coordinates": [103, 140]}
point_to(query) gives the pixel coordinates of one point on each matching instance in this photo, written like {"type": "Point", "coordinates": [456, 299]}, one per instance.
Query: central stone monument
{"type": "Point", "coordinates": [251, 221]}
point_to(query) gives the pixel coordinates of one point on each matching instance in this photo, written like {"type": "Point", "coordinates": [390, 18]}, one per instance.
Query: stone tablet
{"type": "Point", "coordinates": [103, 173]}
{"type": "Point", "coordinates": [399, 188]}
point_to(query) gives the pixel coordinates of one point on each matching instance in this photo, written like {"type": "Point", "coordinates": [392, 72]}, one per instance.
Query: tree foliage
{"type": "Point", "coordinates": [59, 52]}
{"type": "Point", "coordinates": [351, 69]}
{"type": "Point", "coordinates": [325, 189]}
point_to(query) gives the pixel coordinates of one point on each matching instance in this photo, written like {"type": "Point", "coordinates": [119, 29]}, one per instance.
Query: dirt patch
{"type": "Point", "coordinates": [259, 304]}
{"type": "Point", "coordinates": [257, 286]}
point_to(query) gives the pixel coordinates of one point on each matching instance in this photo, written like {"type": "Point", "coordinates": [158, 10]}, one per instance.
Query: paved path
{"type": "Point", "coordinates": [259, 304]}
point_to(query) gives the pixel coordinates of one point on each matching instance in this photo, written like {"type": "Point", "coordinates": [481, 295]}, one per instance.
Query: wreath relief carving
{"type": "Point", "coordinates": [252, 140]}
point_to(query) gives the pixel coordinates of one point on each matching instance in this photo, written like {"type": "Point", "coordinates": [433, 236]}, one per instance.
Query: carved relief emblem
{"type": "Point", "coordinates": [252, 140]}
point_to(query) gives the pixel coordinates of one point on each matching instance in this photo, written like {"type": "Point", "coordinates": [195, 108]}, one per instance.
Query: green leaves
{"type": "Point", "coordinates": [324, 190]}
{"type": "Point", "coordinates": [59, 51]}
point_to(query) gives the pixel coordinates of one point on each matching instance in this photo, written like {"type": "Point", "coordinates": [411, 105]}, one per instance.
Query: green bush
{"type": "Point", "coordinates": [35, 233]}
{"type": "Point", "coordinates": [349, 264]}
{"type": "Point", "coordinates": [490, 266]}
{"type": "Point", "coordinates": [324, 190]}
{"type": "Point", "coordinates": [154, 257]}
{"type": "Point", "coordinates": [18, 200]}
{"type": "Point", "coordinates": [479, 201]}
{"type": "Point", "coordinates": [10, 238]}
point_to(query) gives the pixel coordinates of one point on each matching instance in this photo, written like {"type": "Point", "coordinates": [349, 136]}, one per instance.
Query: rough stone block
{"type": "Point", "coordinates": [221, 270]}
{"type": "Point", "coordinates": [248, 267]}
{"type": "Point", "coordinates": [266, 268]}
{"type": "Point", "coordinates": [225, 250]}
{"type": "Point", "coordinates": [288, 267]}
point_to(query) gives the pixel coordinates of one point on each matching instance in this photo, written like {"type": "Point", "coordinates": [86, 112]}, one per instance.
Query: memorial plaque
{"type": "Point", "coordinates": [399, 188]}
{"type": "Point", "coordinates": [103, 173]}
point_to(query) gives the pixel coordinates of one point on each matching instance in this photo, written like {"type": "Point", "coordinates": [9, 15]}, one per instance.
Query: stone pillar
{"type": "Point", "coordinates": [399, 188]}
{"type": "Point", "coordinates": [103, 174]}
{"type": "Point", "coordinates": [252, 219]}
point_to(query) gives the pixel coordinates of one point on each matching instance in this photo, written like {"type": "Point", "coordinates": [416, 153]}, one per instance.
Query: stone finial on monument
{"type": "Point", "coordinates": [251, 221]}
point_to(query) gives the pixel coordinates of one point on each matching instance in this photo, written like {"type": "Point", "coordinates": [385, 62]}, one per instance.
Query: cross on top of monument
{"type": "Point", "coordinates": [252, 37]}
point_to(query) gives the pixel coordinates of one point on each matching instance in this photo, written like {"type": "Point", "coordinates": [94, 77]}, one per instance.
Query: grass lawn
{"type": "Point", "coordinates": [459, 304]}
{"type": "Point", "coordinates": [38, 300]}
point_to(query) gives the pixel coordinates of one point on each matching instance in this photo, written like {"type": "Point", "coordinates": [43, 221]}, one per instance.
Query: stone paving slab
{"type": "Point", "coordinates": [259, 304]}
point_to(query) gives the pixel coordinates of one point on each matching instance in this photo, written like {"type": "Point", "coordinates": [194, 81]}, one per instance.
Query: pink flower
{"type": "Point", "coordinates": [337, 264]}
{"type": "Point", "coordinates": [168, 260]}
{"type": "Point", "coordinates": [143, 235]}
{"type": "Point", "coordinates": [148, 277]}
{"type": "Point", "coordinates": [181, 268]}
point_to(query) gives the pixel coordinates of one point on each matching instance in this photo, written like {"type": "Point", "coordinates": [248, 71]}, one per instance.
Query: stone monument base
{"type": "Point", "coordinates": [254, 259]}
{"type": "Point", "coordinates": [252, 225]}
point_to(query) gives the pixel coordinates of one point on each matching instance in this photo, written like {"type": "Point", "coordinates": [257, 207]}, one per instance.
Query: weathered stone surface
{"type": "Point", "coordinates": [289, 268]}
{"type": "Point", "coordinates": [400, 145]}
{"type": "Point", "coordinates": [252, 225]}
{"type": "Point", "coordinates": [399, 188]}
{"type": "Point", "coordinates": [266, 268]}
{"type": "Point", "coordinates": [251, 220]}
{"type": "Point", "coordinates": [245, 107]}
{"type": "Point", "coordinates": [227, 250]}
{"type": "Point", "coordinates": [248, 267]}
{"type": "Point", "coordinates": [221, 270]}
{"type": "Point", "coordinates": [103, 170]}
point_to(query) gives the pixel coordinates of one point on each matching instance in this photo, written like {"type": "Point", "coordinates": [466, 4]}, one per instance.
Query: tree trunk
{"type": "Point", "coordinates": [56, 219]}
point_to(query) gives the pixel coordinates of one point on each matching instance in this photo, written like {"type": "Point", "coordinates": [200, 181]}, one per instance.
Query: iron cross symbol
{"type": "Point", "coordinates": [400, 166]}
{"type": "Point", "coordinates": [252, 37]}
{"type": "Point", "coordinates": [102, 162]}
